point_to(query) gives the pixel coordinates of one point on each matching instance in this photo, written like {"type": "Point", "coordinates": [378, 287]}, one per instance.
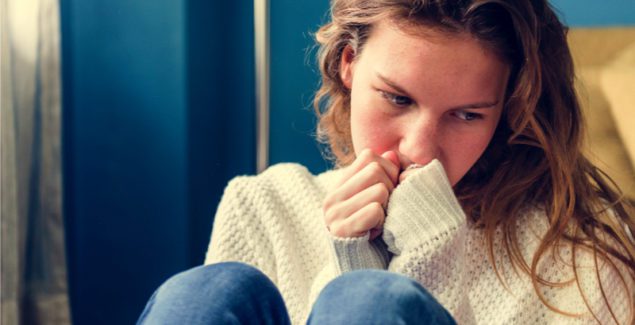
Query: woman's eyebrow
{"type": "Point", "coordinates": [391, 83]}
{"type": "Point", "coordinates": [399, 89]}
{"type": "Point", "coordinates": [477, 105]}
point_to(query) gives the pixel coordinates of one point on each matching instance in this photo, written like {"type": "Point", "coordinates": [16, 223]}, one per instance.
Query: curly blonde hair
{"type": "Point", "coordinates": [535, 157]}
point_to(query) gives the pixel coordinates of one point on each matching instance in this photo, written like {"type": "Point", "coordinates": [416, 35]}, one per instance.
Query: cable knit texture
{"type": "Point", "coordinates": [274, 222]}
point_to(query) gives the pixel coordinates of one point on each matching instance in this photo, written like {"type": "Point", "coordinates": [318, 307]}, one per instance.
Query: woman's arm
{"type": "Point", "coordinates": [425, 229]}
{"type": "Point", "coordinates": [238, 234]}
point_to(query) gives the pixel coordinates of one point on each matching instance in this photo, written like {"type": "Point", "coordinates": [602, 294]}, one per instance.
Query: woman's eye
{"type": "Point", "coordinates": [468, 116]}
{"type": "Point", "coordinates": [397, 99]}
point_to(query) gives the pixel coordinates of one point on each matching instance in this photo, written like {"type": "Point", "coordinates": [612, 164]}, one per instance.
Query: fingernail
{"type": "Point", "coordinates": [413, 166]}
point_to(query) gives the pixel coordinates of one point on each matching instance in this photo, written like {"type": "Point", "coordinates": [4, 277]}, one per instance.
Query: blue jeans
{"type": "Point", "coordinates": [236, 293]}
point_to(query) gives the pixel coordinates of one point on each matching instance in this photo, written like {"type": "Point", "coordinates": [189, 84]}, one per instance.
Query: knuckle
{"type": "Point", "coordinates": [376, 190]}
{"type": "Point", "coordinates": [377, 208]}
{"type": "Point", "coordinates": [375, 169]}
{"type": "Point", "coordinates": [331, 215]}
{"type": "Point", "coordinates": [365, 156]}
{"type": "Point", "coordinates": [339, 231]}
{"type": "Point", "coordinates": [382, 191]}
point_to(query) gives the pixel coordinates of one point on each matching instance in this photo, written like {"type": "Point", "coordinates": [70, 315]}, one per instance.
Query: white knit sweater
{"type": "Point", "coordinates": [274, 222]}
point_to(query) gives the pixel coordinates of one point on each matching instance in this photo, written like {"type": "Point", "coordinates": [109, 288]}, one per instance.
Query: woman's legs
{"type": "Point", "coordinates": [224, 293]}
{"type": "Point", "coordinates": [376, 297]}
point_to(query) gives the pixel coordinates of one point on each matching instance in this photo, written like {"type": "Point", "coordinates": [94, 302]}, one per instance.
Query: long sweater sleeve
{"type": "Point", "coordinates": [425, 229]}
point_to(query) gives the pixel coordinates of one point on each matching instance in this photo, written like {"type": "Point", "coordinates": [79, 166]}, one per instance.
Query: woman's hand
{"type": "Point", "coordinates": [408, 171]}
{"type": "Point", "coordinates": [357, 204]}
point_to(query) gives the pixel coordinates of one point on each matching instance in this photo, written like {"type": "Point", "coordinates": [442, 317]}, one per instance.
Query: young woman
{"type": "Point", "coordinates": [457, 135]}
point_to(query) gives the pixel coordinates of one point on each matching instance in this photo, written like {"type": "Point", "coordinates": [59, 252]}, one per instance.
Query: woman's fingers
{"type": "Point", "coordinates": [394, 158]}
{"type": "Point", "coordinates": [342, 210]}
{"type": "Point", "coordinates": [408, 171]}
{"type": "Point", "coordinates": [357, 225]}
{"type": "Point", "coordinates": [357, 204]}
{"type": "Point", "coordinates": [372, 174]}
{"type": "Point", "coordinates": [386, 161]}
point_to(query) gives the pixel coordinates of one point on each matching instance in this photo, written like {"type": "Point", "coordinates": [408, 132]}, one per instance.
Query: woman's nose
{"type": "Point", "coordinates": [419, 143]}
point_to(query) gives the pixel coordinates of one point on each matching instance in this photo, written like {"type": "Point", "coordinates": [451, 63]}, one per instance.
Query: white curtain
{"type": "Point", "coordinates": [33, 279]}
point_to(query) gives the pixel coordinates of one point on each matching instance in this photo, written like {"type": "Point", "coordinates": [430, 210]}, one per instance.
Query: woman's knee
{"type": "Point", "coordinates": [227, 293]}
{"type": "Point", "coordinates": [402, 300]}
{"type": "Point", "coordinates": [209, 280]}
{"type": "Point", "coordinates": [379, 283]}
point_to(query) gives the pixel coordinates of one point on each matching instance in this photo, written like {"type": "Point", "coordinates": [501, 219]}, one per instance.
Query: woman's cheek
{"type": "Point", "coordinates": [465, 154]}
{"type": "Point", "coordinates": [371, 130]}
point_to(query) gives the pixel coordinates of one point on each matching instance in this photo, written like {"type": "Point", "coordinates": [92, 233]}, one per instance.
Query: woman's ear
{"type": "Point", "coordinates": [346, 66]}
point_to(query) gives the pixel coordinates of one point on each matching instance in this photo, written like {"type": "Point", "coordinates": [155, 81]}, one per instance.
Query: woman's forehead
{"type": "Point", "coordinates": [390, 39]}
{"type": "Point", "coordinates": [392, 47]}
{"type": "Point", "coordinates": [427, 34]}
{"type": "Point", "coordinates": [436, 65]}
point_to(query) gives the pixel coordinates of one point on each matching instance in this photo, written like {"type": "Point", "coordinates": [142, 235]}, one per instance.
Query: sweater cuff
{"type": "Point", "coordinates": [421, 209]}
{"type": "Point", "coordinates": [358, 253]}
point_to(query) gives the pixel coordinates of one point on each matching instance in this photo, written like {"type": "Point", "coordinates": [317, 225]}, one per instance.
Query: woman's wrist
{"type": "Point", "coordinates": [354, 253]}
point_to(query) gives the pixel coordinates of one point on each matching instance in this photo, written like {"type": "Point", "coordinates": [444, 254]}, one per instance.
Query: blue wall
{"type": "Point", "coordinates": [593, 13]}
{"type": "Point", "coordinates": [156, 120]}
{"type": "Point", "coordinates": [294, 80]}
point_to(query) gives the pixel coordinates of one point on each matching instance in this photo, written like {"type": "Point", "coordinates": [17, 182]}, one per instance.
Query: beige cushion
{"type": "Point", "coordinates": [603, 144]}
{"type": "Point", "coordinates": [603, 69]}
{"type": "Point", "coordinates": [618, 83]}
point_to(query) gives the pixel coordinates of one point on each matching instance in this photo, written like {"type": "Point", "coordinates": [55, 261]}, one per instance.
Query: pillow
{"type": "Point", "coordinates": [618, 83]}
{"type": "Point", "coordinates": [600, 54]}
{"type": "Point", "coordinates": [617, 80]}
{"type": "Point", "coordinates": [603, 145]}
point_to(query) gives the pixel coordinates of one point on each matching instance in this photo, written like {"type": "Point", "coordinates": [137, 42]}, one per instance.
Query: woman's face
{"type": "Point", "coordinates": [425, 96]}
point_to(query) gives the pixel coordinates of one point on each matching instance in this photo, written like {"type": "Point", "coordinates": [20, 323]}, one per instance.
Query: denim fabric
{"type": "Point", "coordinates": [224, 293]}
{"type": "Point", "coordinates": [376, 297]}
{"type": "Point", "coordinates": [236, 293]}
